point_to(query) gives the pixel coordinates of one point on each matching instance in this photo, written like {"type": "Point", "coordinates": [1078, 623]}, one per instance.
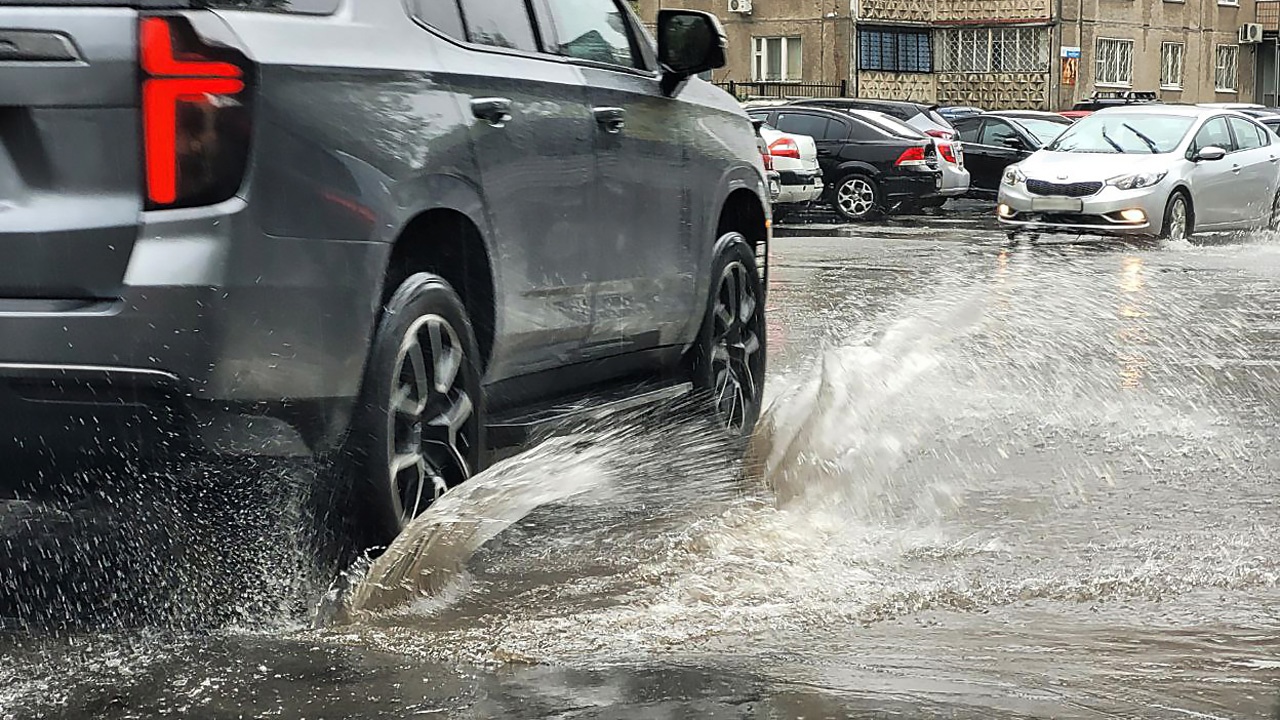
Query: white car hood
{"type": "Point", "coordinates": [1086, 167]}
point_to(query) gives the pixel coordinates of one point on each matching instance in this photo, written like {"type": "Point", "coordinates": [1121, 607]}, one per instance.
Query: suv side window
{"type": "Point", "coordinates": [1246, 137]}
{"type": "Point", "coordinates": [967, 128]}
{"type": "Point", "coordinates": [500, 23]}
{"type": "Point", "coordinates": [443, 15]}
{"type": "Point", "coordinates": [815, 126]}
{"type": "Point", "coordinates": [595, 30]}
{"type": "Point", "coordinates": [994, 132]}
{"type": "Point", "coordinates": [1213, 133]}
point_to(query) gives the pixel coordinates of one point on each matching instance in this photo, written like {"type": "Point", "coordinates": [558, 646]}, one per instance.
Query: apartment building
{"type": "Point", "coordinates": [1043, 54]}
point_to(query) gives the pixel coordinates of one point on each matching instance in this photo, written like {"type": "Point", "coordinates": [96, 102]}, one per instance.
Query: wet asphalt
{"type": "Point", "coordinates": [997, 480]}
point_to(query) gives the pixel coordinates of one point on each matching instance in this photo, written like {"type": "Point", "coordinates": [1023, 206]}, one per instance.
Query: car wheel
{"type": "Point", "coordinates": [1274, 224]}
{"type": "Point", "coordinates": [1179, 221]}
{"type": "Point", "coordinates": [728, 360]}
{"type": "Point", "coordinates": [857, 197]}
{"type": "Point", "coordinates": [418, 428]}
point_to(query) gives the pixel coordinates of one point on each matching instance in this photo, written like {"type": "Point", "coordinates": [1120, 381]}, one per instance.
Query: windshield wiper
{"type": "Point", "coordinates": [1111, 142]}
{"type": "Point", "coordinates": [1150, 143]}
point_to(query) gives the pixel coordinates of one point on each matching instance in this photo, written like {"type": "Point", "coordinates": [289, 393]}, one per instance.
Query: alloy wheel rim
{"type": "Point", "coordinates": [430, 418]}
{"type": "Point", "coordinates": [856, 197]}
{"type": "Point", "coordinates": [735, 347]}
{"type": "Point", "coordinates": [1275, 213]}
{"type": "Point", "coordinates": [1178, 221]}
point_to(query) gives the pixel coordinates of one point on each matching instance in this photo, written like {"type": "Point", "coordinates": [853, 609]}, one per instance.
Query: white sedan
{"type": "Point", "coordinates": [795, 157]}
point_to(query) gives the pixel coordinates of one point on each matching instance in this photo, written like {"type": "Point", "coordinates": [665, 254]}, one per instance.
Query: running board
{"type": "Point", "coordinates": [526, 423]}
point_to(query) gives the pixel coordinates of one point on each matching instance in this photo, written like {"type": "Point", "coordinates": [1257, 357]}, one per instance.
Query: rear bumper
{"type": "Point", "coordinates": [911, 185]}
{"type": "Point", "coordinates": [799, 187]}
{"type": "Point", "coordinates": [213, 321]}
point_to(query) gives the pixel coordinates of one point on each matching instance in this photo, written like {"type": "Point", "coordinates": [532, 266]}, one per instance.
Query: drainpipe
{"type": "Point", "coordinates": [1055, 58]}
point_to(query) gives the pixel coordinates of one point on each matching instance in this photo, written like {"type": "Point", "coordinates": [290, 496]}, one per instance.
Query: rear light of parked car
{"type": "Point", "coordinates": [948, 153]}
{"type": "Point", "coordinates": [785, 148]}
{"type": "Point", "coordinates": [768, 160]}
{"type": "Point", "coordinates": [195, 115]}
{"type": "Point", "coordinates": [912, 156]}
{"type": "Point", "coordinates": [941, 134]}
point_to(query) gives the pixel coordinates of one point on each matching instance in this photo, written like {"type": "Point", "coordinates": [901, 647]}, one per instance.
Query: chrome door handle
{"type": "Point", "coordinates": [1274, 158]}
{"type": "Point", "coordinates": [1235, 169]}
{"type": "Point", "coordinates": [612, 119]}
{"type": "Point", "coordinates": [495, 110]}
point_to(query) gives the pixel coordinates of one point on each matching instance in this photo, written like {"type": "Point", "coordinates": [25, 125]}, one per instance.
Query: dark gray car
{"type": "Point", "coordinates": [407, 234]}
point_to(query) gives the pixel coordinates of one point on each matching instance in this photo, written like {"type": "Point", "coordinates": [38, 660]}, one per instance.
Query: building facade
{"type": "Point", "coordinates": [1041, 54]}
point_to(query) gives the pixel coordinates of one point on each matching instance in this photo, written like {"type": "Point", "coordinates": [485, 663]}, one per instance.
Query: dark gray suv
{"type": "Point", "coordinates": [404, 232]}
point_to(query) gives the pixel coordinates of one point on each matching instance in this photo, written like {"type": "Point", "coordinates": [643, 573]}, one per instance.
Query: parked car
{"type": "Point", "coordinates": [924, 118]}
{"type": "Point", "coordinates": [795, 158]}
{"type": "Point", "coordinates": [868, 169]}
{"type": "Point", "coordinates": [994, 141]}
{"type": "Point", "coordinates": [1182, 169]}
{"type": "Point", "coordinates": [950, 153]}
{"type": "Point", "coordinates": [1032, 115]}
{"type": "Point", "coordinates": [1101, 100]}
{"type": "Point", "coordinates": [212, 244]}
{"type": "Point", "coordinates": [951, 112]}
{"type": "Point", "coordinates": [1271, 121]}
{"type": "Point", "coordinates": [773, 180]}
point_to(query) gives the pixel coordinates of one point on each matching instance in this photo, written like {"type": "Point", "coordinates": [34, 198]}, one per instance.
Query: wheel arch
{"type": "Point", "coordinates": [448, 242]}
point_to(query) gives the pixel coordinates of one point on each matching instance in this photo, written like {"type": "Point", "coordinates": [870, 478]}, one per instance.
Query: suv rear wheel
{"type": "Point", "coordinates": [729, 356]}
{"type": "Point", "coordinates": [418, 426]}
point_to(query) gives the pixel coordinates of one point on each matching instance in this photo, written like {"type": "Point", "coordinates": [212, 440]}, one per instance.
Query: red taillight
{"type": "Point", "coordinates": [943, 134]}
{"type": "Point", "coordinates": [767, 159]}
{"type": "Point", "coordinates": [785, 147]}
{"type": "Point", "coordinates": [195, 123]}
{"type": "Point", "coordinates": [948, 153]}
{"type": "Point", "coordinates": [911, 156]}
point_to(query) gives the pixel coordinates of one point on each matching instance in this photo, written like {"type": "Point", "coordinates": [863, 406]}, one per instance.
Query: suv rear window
{"type": "Point", "coordinates": [305, 7]}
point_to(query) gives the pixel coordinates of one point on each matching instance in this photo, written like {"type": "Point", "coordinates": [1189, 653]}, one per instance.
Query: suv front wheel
{"type": "Point", "coordinates": [729, 355]}
{"type": "Point", "coordinates": [418, 425]}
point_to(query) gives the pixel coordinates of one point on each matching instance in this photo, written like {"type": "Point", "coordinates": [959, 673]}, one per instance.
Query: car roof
{"type": "Point", "coordinates": [1026, 114]}
{"type": "Point", "coordinates": [815, 109]}
{"type": "Point", "coordinates": [868, 101]}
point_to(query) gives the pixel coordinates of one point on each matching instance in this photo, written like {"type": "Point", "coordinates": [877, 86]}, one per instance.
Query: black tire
{"type": "Point", "coordinates": [447, 432]}
{"type": "Point", "coordinates": [728, 359]}
{"type": "Point", "coordinates": [1273, 223]}
{"type": "Point", "coordinates": [851, 201]}
{"type": "Point", "coordinates": [1167, 229]}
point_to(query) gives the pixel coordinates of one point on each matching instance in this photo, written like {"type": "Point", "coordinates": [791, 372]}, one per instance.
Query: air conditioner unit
{"type": "Point", "coordinates": [742, 7]}
{"type": "Point", "coordinates": [1250, 34]}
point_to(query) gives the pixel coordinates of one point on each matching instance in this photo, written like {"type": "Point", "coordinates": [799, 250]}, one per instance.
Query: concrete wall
{"type": "Point", "coordinates": [1200, 24]}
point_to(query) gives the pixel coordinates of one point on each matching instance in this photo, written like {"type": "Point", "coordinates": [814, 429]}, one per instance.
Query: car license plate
{"type": "Point", "coordinates": [1054, 204]}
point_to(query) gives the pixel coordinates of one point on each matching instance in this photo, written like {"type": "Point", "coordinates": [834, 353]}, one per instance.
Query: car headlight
{"type": "Point", "coordinates": [1013, 176]}
{"type": "Point", "coordinates": [1136, 180]}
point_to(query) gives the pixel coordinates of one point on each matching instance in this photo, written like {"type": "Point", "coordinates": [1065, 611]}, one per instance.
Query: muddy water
{"type": "Point", "coordinates": [996, 481]}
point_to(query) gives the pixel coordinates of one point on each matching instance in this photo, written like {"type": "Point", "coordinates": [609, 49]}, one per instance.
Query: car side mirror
{"type": "Point", "coordinates": [689, 42]}
{"type": "Point", "coordinates": [1212, 152]}
{"type": "Point", "coordinates": [1013, 141]}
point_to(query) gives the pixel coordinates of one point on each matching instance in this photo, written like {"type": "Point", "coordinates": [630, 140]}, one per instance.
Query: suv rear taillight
{"type": "Point", "coordinates": [911, 156]}
{"type": "Point", "coordinates": [947, 152]}
{"type": "Point", "coordinates": [195, 115]}
{"type": "Point", "coordinates": [785, 148]}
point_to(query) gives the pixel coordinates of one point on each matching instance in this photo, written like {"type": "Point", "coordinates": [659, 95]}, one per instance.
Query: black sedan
{"type": "Point", "coordinates": [869, 168]}
{"type": "Point", "coordinates": [994, 141]}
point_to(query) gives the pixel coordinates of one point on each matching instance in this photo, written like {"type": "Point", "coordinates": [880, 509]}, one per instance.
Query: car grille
{"type": "Point", "coordinates": [1079, 189]}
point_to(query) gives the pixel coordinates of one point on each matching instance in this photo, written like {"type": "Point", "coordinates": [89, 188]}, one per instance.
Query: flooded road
{"type": "Point", "coordinates": [995, 480]}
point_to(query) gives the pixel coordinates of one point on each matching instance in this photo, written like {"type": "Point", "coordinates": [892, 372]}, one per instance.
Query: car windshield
{"type": "Point", "coordinates": [1124, 133]}
{"type": "Point", "coordinates": [1046, 131]}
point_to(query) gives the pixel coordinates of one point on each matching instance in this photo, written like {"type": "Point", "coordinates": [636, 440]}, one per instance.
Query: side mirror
{"type": "Point", "coordinates": [1013, 141]}
{"type": "Point", "coordinates": [1212, 152]}
{"type": "Point", "coordinates": [689, 42]}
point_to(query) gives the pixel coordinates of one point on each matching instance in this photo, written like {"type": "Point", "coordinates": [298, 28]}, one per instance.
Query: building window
{"type": "Point", "coordinates": [1114, 62]}
{"type": "Point", "coordinates": [778, 59]}
{"type": "Point", "coordinates": [983, 50]}
{"type": "Point", "coordinates": [1224, 70]}
{"type": "Point", "coordinates": [1171, 65]}
{"type": "Point", "coordinates": [895, 50]}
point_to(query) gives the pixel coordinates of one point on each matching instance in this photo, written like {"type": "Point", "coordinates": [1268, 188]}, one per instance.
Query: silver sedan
{"type": "Point", "coordinates": [1160, 170]}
